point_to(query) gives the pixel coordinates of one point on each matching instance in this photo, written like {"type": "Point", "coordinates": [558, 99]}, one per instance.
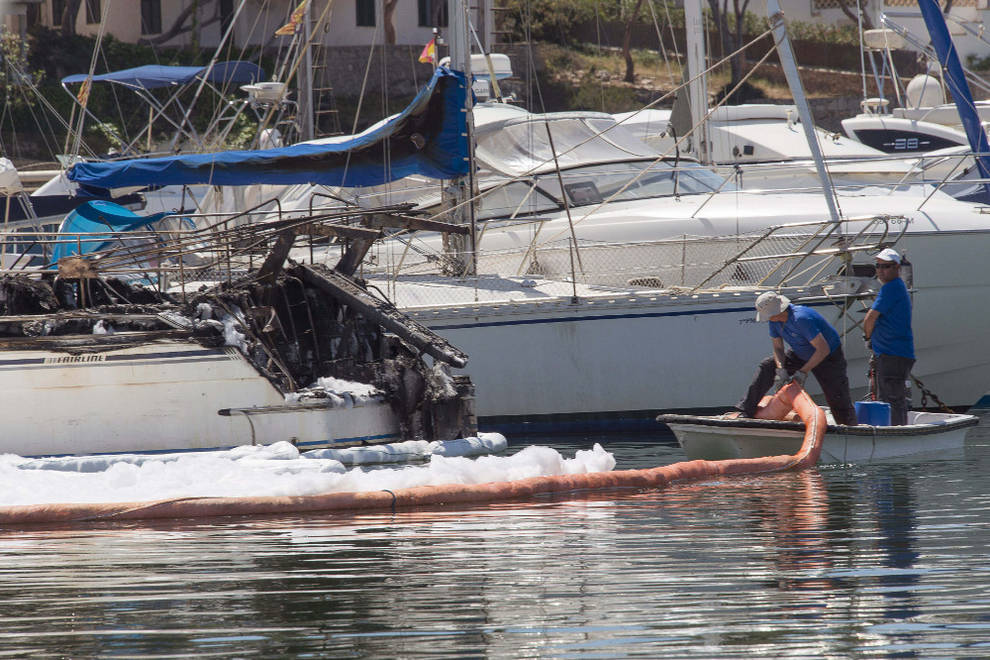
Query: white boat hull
{"type": "Point", "coordinates": [714, 439]}
{"type": "Point", "coordinates": [157, 397]}
{"type": "Point", "coordinates": [628, 353]}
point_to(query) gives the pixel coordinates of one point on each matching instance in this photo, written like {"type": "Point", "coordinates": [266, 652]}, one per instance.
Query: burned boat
{"type": "Point", "coordinates": [144, 340]}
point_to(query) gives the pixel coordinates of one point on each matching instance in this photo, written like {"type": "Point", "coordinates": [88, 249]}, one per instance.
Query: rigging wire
{"type": "Point", "coordinates": [598, 134]}
{"type": "Point", "coordinates": [89, 80]}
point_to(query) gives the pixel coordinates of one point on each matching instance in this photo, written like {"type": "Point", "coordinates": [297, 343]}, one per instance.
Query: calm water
{"type": "Point", "coordinates": [875, 561]}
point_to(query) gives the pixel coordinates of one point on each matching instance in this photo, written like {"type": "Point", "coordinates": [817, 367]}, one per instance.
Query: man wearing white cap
{"type": "Point", "coordinates": [814, 348]}
{"type": "Point", "coordinates": [887, 330]}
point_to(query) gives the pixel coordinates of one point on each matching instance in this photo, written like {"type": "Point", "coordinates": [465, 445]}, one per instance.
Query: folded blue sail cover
{"type": "Point", "coordinates": [155, 76]}
{"type": "Point", "coordinates": [955, 78]}
{"type": "Point", "coordinates": [97, 217]}
{"type": "Point", "coordinates": [428, 138]}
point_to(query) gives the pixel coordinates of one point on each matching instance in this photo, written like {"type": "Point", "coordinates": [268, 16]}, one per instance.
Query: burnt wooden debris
{"type": "Point", "coordinates": [299, 322]}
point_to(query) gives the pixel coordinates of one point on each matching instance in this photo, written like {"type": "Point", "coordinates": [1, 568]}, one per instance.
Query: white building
{"type": "Point", "coordinates": [343, 23]}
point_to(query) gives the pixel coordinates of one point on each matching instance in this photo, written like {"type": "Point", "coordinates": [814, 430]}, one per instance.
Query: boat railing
{"type": "Point", "coordinates": [180, 249]}
{"type": "Point", "coordinates": [796, 254]}
{"type": "Point", "coordinates": [182, 253]}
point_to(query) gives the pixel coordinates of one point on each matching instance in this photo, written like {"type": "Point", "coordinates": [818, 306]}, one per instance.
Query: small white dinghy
{"type": "Point", "coordinates": [719, 437]}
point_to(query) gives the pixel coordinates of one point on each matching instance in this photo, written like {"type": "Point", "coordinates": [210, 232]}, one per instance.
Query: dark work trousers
{"type": "Point", "coordinates": [830, 373]}
{"type": "Point", "coordinates": [891, 372]}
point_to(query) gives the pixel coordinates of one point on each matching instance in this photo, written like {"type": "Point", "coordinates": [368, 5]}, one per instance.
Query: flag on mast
{"type": "Point", "coordinates": [429, 53]}
{"type": "Point", "coordinates": [83, 95]}
{"type": "Point", "coordinates": [295, 19]}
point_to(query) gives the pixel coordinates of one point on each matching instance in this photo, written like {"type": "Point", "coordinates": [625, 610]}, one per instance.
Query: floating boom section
{"type": "Point", "coordinates": [948, 59]}
{"type": "Point", "coordinates": [791, 396]}
{"type": "Point", "coordinates": [428, 138]}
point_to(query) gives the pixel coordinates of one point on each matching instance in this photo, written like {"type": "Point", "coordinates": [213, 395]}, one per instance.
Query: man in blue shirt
{"type": "Point", "coordinates": [887, 330]}
{"type": "Point", "coordinates": [815, 348]}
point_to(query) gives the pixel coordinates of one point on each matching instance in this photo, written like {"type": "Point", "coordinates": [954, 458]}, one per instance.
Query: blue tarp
{"type": "Point", "coordinates": [153, 76]}
{"type": "Point", "coordinates": [98, 217]}
{"type": "Point", "coordinates": [428, 138]}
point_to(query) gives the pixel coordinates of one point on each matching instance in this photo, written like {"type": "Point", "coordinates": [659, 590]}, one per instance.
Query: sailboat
{"type": "Point", "coordinates": [133, 338]}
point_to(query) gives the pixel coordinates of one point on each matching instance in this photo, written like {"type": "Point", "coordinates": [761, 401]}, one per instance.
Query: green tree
{"type": "Point", "coordinates": [15, 73]}
{"type": "Point", "coordinates": [626, 38]}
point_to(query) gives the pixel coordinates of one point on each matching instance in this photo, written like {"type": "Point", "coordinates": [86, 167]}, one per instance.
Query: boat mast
{"type": "Point", "coordinates": [789, 65]}
{"type": "Point", "coordinates": [694, 25]}
{"type": "Point", "coordinates": [305, 79]}
{"type": "Point", "coordinates": [462, 189]}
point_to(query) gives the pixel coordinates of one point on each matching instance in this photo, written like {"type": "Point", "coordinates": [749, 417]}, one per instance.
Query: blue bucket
{"type": "Point", "coordinates": [874, 413]}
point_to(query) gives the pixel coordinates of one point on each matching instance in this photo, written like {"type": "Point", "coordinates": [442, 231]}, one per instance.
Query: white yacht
{"type": "Point", "coordinates": [584, 309]}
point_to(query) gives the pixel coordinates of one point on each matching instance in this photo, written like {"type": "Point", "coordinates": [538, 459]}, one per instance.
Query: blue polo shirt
{"type": "Point", "coordinates": [802, 325]}
{"type": "Point", "coordinates": [892, 334]}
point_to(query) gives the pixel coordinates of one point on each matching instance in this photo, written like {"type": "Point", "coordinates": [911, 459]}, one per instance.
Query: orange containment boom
{"type": "Point", "coordinates": [789, 397]}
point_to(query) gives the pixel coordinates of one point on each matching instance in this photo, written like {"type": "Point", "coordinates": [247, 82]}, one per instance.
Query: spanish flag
{"type": "Point", "coordinates": [294, 20]}
{"type": "Point", "coordinates": [429, 53]}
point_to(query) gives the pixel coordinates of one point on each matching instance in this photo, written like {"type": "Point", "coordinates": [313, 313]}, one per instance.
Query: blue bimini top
{"type": "Point", "coordinates": [155, 76]}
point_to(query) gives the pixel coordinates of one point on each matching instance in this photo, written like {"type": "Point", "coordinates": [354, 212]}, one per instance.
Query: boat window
{"type": "Point", "coordinates": [582, 192]}
{"type": "Point", "coordinates": [516, 199]}
{"type": "Point", "coordinates": [630, 180]}
{"type": "Point", "coordinates": [694, 178]}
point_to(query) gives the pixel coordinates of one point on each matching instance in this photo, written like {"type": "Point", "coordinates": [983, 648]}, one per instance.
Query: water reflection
{"type": "Point", "coordinates": [876, 560]}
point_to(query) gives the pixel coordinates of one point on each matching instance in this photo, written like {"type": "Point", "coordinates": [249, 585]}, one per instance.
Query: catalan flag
{"type": "Point", "coordinates": [294, 21]}
{"type": "Point", "coordinates": [83, 95]}
{"type": "Point", "coordinates": [429, 53]}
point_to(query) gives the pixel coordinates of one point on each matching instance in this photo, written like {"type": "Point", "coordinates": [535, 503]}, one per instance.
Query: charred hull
{"type": "Point", "coordinates": [250, 350]}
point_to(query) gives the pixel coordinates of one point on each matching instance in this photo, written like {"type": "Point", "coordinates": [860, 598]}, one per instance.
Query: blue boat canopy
{"type": "Point", "coordinates": [98, 217]}
{"type": "Point", "coordinates": [428, 138]}
{"type": "Point", "coordinates": [154, 76]}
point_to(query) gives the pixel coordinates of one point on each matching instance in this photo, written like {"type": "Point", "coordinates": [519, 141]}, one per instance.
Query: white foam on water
{"type": "Point", "coordinates": [278, 469]}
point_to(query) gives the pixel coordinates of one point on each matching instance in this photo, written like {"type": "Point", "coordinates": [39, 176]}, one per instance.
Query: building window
{"type": "Point", "coordinates": [432, 13]}
{"type": "Point", "coordinates": [93, 11]}
{"type": "Point", "coordinates": [366, 13]}
{"type": "Point", "coordinates": [151, 16]}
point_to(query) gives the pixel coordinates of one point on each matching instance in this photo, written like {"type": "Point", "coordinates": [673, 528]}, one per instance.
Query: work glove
{"type": "Point", "coordinates": [799, 377]}
{"type": "Point", "coordinates": [780, 378]}
{"type": "Point", "coordinates": [868, 344]}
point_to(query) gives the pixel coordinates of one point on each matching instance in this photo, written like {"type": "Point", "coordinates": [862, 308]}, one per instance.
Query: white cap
{"type": "Point", "coordinates": [770, 303]}
{"type": "Point", "coordinates": [888, 254]}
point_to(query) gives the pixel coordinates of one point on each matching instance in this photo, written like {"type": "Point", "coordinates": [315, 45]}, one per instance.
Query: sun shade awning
{"type": "Point", "coordinates": [89, 227]}
{"type": "Point", "coordinates": [154, 76]}
{"type": "Point", "coordinates": [428, 138]}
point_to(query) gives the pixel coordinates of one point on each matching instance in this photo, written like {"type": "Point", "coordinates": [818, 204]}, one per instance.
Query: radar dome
{"type": "Point", "coordinates": [924, 91]}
